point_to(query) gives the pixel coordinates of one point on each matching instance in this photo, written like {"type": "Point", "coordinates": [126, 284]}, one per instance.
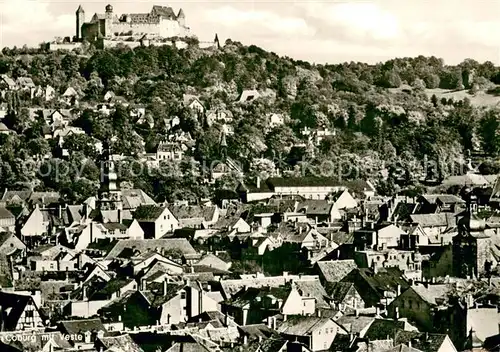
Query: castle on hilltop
{"type": "Point", "coordinates": [161, 22]}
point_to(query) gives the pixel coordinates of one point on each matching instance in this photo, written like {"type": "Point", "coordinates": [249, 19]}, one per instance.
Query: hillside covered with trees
{"type": "Point", "coordinates": [384, 116]}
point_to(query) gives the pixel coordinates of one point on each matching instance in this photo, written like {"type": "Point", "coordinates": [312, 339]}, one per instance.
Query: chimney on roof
{"type": "Point", "coordinates": [165, 286]}
{"type": "Point", "coordinates": [397, 313]}
{"type": "Point", "coordinates": [269, 322]}
{"type": "Point", "coordinates": [143, 284]}
{"type": "Point", "coordinates": [318, 313]}
{"type": "Point", "coordinates": [399, 290]}
{"type": "Point", "coordinates": [274, 323]}
{"type": "Point", "coordinates": [284, 317]}
{"type": "Point", "coordinates": [245, 339]}
{"type": "Point", "coordinates": [258, 182]}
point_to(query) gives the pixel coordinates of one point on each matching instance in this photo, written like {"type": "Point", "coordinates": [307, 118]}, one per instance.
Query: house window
{"type": "Point", "coordinates": [123, 232]}
{"type": "Point", "coordinates": [29, 314]}
{"type": "Point", "coordinates": [183, 295]}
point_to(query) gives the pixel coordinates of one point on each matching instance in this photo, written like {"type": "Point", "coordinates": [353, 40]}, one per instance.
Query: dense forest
{"type": "Point", "coordinates": [383, 116]}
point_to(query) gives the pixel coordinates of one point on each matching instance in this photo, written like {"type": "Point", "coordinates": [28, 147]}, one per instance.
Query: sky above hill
{"type": "Point", "coordinates": [316, 31]}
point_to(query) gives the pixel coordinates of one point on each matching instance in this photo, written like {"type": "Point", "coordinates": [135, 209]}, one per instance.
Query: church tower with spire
{"type": "Point", "coordinates": [223, 146]}
{"type": "Point", "coordinates": [110, 195]}
{"type": "Point", "coordinates": [471, 250]}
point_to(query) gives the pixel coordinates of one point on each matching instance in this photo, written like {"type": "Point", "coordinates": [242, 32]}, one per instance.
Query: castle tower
{"type": "Point", "coordinates": [181, 18]}
{"type": "Point", "coordinates": [108, 21]}
{"type": "Point", "coordinates": [216, 41]}
{"type": "Point", "coordinates": [110, 196]}
{"type": "Point", "coordinates": [80, 20]}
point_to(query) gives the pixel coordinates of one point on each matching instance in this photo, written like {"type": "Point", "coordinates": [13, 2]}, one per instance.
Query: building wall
{"type": "Point", "coordinates": [30, 318]}
{"type": "Point", "coordinates": [296, 305]}
{"type": "Point", "coordinates": [441, 267]}
{"type": "Point", "coordinates": [86, 309]}
{"type": "Point", "coordinates": [166, 222]}
{"type": "Point", "coordinates": [352, 300]}
{"type": "Point", "coordinates": [411, 306]}
{"type": "Point", "coordinates": [322, 338]}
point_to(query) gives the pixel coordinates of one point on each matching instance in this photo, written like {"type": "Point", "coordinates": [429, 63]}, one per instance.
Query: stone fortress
{"type": "Point", "coordinates": [160, 22]}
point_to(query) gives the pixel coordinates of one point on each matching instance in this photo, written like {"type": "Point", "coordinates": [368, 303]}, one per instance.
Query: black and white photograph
{"type": "Point", "coordinates": [250, 176]}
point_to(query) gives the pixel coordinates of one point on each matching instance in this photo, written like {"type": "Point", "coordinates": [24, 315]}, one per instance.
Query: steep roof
{"type": "Point", "coordinates": [315, 207]}
{"type": "Point", "coordinates": [12, 306]}
{"type": "Point", "coordinates": [143, 246]}
{"type": "Point", "coordinates": [432, 294]}
{"type": "Point", "coordinates": [122, 342]}
{"type": "Point", "coordinates": [149, 213]}
{"type": "Point", "coordinates": [336, 270]}
{"type": "Point", "coordinates": [427, 342]}
{"type": "Point", "coordinates": [302, 325]}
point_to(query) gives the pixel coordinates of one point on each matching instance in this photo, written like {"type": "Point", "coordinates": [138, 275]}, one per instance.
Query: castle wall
{"type": "Point", "coordinates": [64, 46]}
{"type": "Point", "coordinates": [164, 29]}
{"type": "Point", "coordinates": [90, 31]}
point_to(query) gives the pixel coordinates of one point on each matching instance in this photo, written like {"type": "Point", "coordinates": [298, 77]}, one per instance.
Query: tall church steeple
{"type": "Point", "coordinates": [110, 195]}
{"type": "Point", "coordinates": [223, 146]}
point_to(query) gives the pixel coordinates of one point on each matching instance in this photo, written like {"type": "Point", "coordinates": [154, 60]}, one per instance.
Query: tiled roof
{"type": "Point", "coordinates": [143, 246]}
{"type": "Point", "coordinates": [442, 198]}
{"type": "Point", "coordinates": [432, 294]}
{"type": "Point", "coordinates": [12, 306]}
{"type": "Point", "coordinates": [302, 325]}
{"type": "Point", "coordinates": [338, 290]}
{"type": "Point", "coordinates": [355, 324]}
{"type": "Point", "coordinates": [336, 270]}
{"type": "Point", "coordinates": [76, 327]}
{"type": "Point", "coordinates": [192, 211]}
{"type": "Point", "coordinates": [148, 212]}
{"type": "Point", "coordinates": [315, 207]}
{"type": "Point", "coordinates": [440, 219]}
{"type": "Point", "coordinates": [6, 214]}
{"type": "Point", "coordinates": [422, 341]}
{"type": "Point", "coordinates": [122, 342]}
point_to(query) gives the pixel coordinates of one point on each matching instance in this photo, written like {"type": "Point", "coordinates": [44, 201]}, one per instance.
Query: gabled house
{"type": "Point", "coordinates": [419, 304]}
{"type": "Point", "coordinates": [334, 270]}
{"type": "Point", "coordinates": [169, 151]}
{"type": "Point", "coordinates": [316, 333]}
{"type": "Point", "coordinates": [19, 312]}
{"type": "Point", "coordinates": [302, 234]}
{"type": "Point", "coordinates": [7, 83]}
{"type": "Point", "coordinates": [319, 210]}
{"type": "Point", "coordinates": [180, 246]}
{"type": "Point", "coordinates": [219, 115]}
{"type": "Point", "coordinates": [70, 96]}
{"type": "Point", "coordinates": [343, 200]}
{"type": "Point", "coordinates": [253, 305]}
{"type": "Point", "coordinates": [26, 83]}
{"type": "Point", "coordinates": [438, 229]}
{"type": "Point", "coordinates": [10, 244]}
{"type": "Point", "coordinates": [7, 220]}
{"type": "Point", "coordinates": [378, 236]}
{"type": "Point", "coordinates": [83, 333]}
{"type": "Point", "coordinates": [156, 221]}
{"type": "Point", "coordinates": [193, 102]}
{"type": "Point", "coordinates": [423, 341]}
{"type": "Point", "coordinates": [195, 216]}
{"type": "Point", "coordinates": [443, 202]}
{"type": "Point", "coordinates": [377, 287]}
